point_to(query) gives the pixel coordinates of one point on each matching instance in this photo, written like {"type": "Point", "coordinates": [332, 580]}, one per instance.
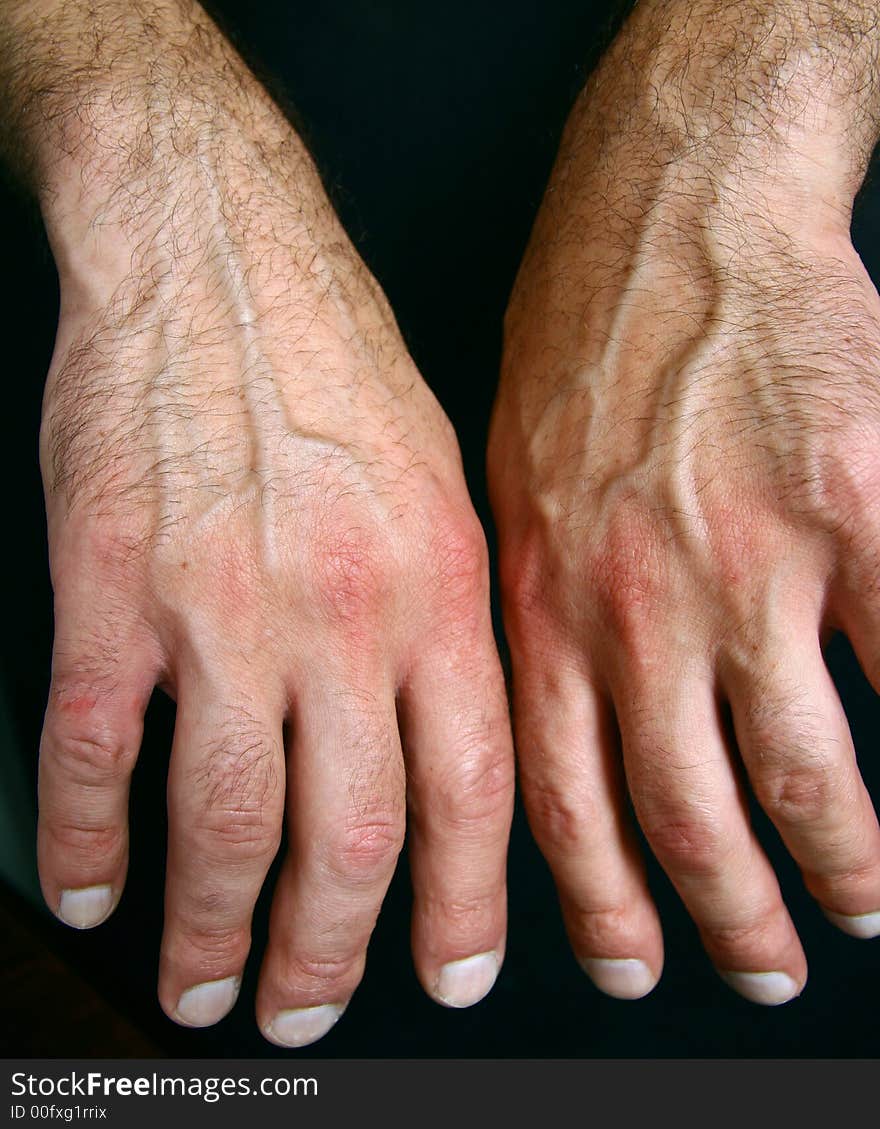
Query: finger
{"type": "Point", "coordinates": [689, 805]}
{"type": "Point", "coordinates": [571, 777]}
{"type": "Point", "coordinates": [346, 825]}
{"type": "Point", "coordinates": [225, 809]}
{"type": "Point", "coordinates": [858, 612]}
{"type": "Point", "coordinates": [795, 742]}
{"type": "Point", "coordinates": [460, 778]}
{"type": "Point", "coordinates": [102, 676]}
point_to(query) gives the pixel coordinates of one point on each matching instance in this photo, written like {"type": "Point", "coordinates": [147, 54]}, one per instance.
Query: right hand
{"type": "Point", "coordinates": [255, 502]}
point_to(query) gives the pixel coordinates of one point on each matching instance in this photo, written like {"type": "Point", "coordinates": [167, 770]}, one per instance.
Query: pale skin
{"type": "Point", "coordinates": [255, 503]}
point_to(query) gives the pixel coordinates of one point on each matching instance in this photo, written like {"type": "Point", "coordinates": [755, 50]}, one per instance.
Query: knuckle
{"type": "Point", "coordinates": [853, 870]}
{"type": "Point", "coordinates": [800, 792]}
{"type": "Point", "coordinates": [89, 758]}
{"type": "Point", "coordinates": [207, 942]}
{"type": "Point", "coordinates": [459, 558]}
{"type": "Point", "coordinates": [228, 565]}
{"type": "Point", "coordinates": [464, 916]}
{"type": "Point", "coordinates": [523, 577]}
{"type": "Point", "coordinates": [352, 573]}
{"type": "Point", "coordinates": [627, 576]}
{"type": "Point", "coordinates": [686, 838]}
{"type": "Point", "coordinates": [558, 819]}
{"type": "Point", "coordinates": [476, 790]}
{"type": "Point", "coordinates": [796, 771]}
{"type": "Point", "coordinates": [242, 835]}
{"type": "Point", "coordinates": [365, 846]}
{"type": "Point", "coordinates": [317, 971]}
{"type": "Point", "coordinates": [602, 929]}
{"type": "Point", "coordinates": [844, 491]}
{"type": "Point", "coordinates": [107, 546]}
{"type": "Point", "coordinates": [741, 546]}
{"type": "Point", "coordinates": [76, 843]}
{"type": "Point", "coordinates": [744, 939]}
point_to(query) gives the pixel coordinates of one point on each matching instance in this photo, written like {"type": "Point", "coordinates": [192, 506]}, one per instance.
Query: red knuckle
{"type": "Point", "coordinates": [459, 559]}
{"type": "Point", "coordinates": [353, 574]}
{"type": "Point", "coordinates": [231, 568]}
{"type": "Point", "coordinates": [110, 547]}
{"type": "Point", "coordinates": [626, 577]}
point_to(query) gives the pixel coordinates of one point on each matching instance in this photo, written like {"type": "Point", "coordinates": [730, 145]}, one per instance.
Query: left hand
{"type": "Point", "coordinates": [685, 468]}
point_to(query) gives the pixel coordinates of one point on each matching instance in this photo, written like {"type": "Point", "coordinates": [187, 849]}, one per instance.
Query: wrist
{"type": "Point", "coordinates": [148, 139]}
{"type": "Point", "coordinates": [132, 172]}
{"type": "Point", "coordinates": [770, 94]}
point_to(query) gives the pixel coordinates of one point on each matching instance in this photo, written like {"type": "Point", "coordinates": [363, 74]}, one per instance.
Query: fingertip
{"type": "Point", "coordinates": [207, 1003]}
{"type": "Point", "coordinates": [298, 1027]}
{"type": "Point", "coordinates": [463, 983]}
{"type": "Point", "coordinates": [86, 907]}
{"type": "Point", "coordinates": [864, 926]}
{"type": "Point", "coordinates": [624, 978]}
{"type": "Point", "coordinates": [768, 988]}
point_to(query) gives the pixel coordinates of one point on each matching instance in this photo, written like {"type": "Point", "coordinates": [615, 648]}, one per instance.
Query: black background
{"type": "Point", "coordinates": [435, 126]}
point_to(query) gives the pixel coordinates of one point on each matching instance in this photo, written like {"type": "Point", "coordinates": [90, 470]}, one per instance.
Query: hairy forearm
{"type": "Point", "coordinates": [788, 88]}
{"type": "Point", "coordinates": [127, 116]}
{"type": "Point", "coordinates": [123, 80]}
{"type": "Point", "coordinates": [715, 133]}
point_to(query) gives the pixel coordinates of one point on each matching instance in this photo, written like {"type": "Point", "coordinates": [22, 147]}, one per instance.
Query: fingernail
{"type": "Point", "coordinates": [862, 925]}
{"type": "Point", "coordinates": [86, 907]}
{"type": "Point", "coordinates": [465, 982]}
{"type": "Point", "coordinates": [300, 1026]}
{"type": "Point", "coordinates": [762, 987]}
{"type": "Point", "coordinates": [624, 979]}
{"type": "Point", "coordinates": [207, 1003]}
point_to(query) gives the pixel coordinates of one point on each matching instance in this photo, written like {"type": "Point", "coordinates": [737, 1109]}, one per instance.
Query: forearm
{"type": "Point", "coordinates": [119, 112]}
{"type": "Point", "coordinates": [716, 133]}
{"type": "Point", "coordinates": [787, 90]}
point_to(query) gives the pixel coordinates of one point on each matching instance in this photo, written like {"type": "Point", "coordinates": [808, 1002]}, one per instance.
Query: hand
{"type": "Point", "coordinates": [255, 502]}
{"type": "Point", "coordinates": [685, 470]}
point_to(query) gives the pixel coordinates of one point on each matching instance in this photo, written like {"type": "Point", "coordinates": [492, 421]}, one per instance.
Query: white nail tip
{"type": "Point", "coordinates": [204, 1004]}
{"type": "Point", "coordinates": [625, 979]}
{"type": "Point", "coordinates": [462, 983]}
{"type": "Point", "coordinates": [300, 1026]}
{"type": "Point", "coordinates": [86, 907]}
{"type": "Point", "coordinates": [864, 925]}
{"type": "Point", "coordinates": [762, 987]}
